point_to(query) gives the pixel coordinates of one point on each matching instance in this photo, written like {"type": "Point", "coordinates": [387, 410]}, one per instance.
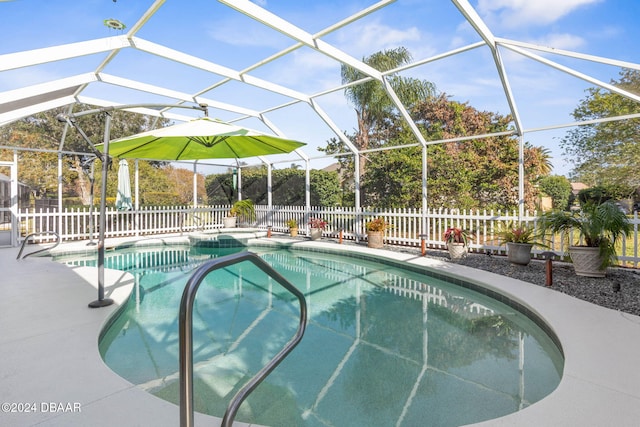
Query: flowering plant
{"type": "Point", "coordinates": [317, 223]}
{"type": "Point", "coordinates": [292, 223]}
{"type": "Point", "coordinates": [517, 234]}
{"type": "Point", "coordinates": [456, 235]}
{"type": "Point", "coordinates": [377, 224]}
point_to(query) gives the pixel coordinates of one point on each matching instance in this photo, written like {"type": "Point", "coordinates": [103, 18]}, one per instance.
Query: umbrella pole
{"type": "Point", "coordinates": [102, 301]}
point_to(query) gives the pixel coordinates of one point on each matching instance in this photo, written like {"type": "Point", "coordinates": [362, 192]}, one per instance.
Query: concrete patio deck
{"type": "Point", "coordinates": [52, 374]}
{"type": "Point", "coordinates": [51, 370]}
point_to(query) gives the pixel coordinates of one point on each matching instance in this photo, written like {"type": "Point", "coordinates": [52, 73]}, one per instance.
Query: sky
{"type": "Point", "coordinates": [215, 32]}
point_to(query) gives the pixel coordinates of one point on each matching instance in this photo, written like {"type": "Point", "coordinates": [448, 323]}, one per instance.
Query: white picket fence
{"type": "Point", "coordinates": [408, 227]}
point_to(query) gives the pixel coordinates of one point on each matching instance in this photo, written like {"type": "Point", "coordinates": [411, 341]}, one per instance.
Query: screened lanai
{"type": "Point", "coordinates": [276, 66]}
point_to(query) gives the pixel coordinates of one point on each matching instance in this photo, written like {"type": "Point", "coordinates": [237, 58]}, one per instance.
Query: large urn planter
{"type": "Point", "coordinates": [375, 239]}
{"type": "Point", "coordinates": [375, 232]}
{"type": "Point", "coordinates": [316, 233]}
{"type": "Point", "coordinates": [242, 209]}
{"type": "Point", "coordinates": [595, 231]}
{"type": "Point", "coordinates": [457, 250]}
{"type": "Point", "coordinates": [229, 221]}
{"type": "Point", "coordinates": [587, 261]}
{"type": "Point", "coordinates": [519, 253]}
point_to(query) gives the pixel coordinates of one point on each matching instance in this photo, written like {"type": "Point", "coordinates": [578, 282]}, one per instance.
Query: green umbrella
{"type": "Point", "coordinates": [202, 138]}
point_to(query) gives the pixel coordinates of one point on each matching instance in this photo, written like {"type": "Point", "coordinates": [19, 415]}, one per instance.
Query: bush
{"type": "Point", "coordinates": [159, 199]}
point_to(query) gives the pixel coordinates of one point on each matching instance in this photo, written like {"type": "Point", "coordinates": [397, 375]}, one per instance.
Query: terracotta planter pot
{"type": "Point", "coordinates": [293, 231]}
{"type": "Point", "coordinates": [375, 239]}
{"type": "Point", "coordinates": [586, 261]}
{"type": "Point", "coordinates": [519, 253]}
{"type": "Point", "coordinates": [457, 250]}
{"type": "Point", "coordinates": [316, 233]}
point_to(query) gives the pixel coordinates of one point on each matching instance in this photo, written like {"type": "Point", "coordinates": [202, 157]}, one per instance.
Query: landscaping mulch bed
{"type": "Point", "coordinates": [619, 290]}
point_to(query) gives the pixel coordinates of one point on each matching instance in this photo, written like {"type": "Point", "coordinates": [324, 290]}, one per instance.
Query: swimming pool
{"type": "Point", "coordinates": [384, 346]}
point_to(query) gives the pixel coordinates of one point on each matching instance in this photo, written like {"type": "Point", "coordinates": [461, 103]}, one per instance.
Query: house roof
{"type": "Point", "coordinates": [576, 187]}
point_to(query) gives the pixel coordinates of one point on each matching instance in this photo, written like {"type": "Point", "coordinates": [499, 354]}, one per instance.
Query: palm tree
{"type": "Point", "coordinates": [370, 100]}
{"type": "Point", "coordinates": [595, 225]}
{"type": "Point", "coordinates": [537, 161]}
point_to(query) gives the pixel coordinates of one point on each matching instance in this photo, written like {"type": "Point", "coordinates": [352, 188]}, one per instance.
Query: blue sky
{"type": "Point", "coordinates": [214, 31]}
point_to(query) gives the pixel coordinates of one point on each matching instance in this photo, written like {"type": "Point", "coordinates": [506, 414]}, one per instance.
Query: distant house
{"type": "Point", "coordinates": [576, 187]}
{"type": "Point", "coordinates": [333, 167]}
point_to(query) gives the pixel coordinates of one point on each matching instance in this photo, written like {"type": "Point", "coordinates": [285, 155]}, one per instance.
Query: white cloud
{"type": "Point", "coordinates": [516, 13]}
{"type": "Point", "coordinates": [23, 77]}
{"type": "Point", "coordinates": [561, 41]}
{"type": "Point", "coordinates": [307, 70]}
{"type": "Point", "coordinates": [246, 32]}
{"type": "Point", "coordinates": [363, 40]}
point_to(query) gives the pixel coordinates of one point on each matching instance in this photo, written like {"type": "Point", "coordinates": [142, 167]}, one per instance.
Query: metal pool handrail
{"type": "Point", "coordinates": [185, 325]}
{"type": "Point", "coordinates": [26, 239]}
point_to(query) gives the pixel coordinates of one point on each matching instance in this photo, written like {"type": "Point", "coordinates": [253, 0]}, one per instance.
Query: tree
{"type": "Point", "coordinates": [288, 187]}
{"type": "Point", "coordinates": [182, 182]}
{"type": "Point", "coordinates": [38, 170]}
{"type": "Point", "coordinates": [478, 173]}
{"type": "Point", "coordinates": [43, 131]}
{"type": "Point", "coordinates": [558, 188]}
{"type": "Point", "coordinates": [345, 169]}
{"type": "Point", "coordinates": [393, 178]}
{"type": "Point", "coordinates": [607, 153]}
{"type": "Point", "coordinates": [601, 193]}
{"type": "Point", "coordinates": [325, 188]}
{"type": "Point", "coordinates": [159, 185]}
{"type": "Point", "coordinates": [538, 160]}
{"type": "Point", "coordinates": [370, 100]}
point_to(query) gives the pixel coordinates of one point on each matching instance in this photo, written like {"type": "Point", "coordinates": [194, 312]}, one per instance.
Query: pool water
{"type": "Point", "coordinates": [383, 347]}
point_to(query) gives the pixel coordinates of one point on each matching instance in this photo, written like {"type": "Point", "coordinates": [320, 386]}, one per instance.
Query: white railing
{"type": "Point", "coordinates": [406, 225]}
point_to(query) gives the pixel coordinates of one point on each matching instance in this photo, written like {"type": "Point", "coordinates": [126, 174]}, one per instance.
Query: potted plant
{"type": "Point", "coordinates": [457, 241]}
{"type": "Point", "coordinates": [317, 226]}
{"type": "Point", "coordinates": [591, 232]}
{"type": "Point", "coordinates": [375, 232]}
{"type": "Point", "coordinates": [293, 227]}
{"type": "Point", "coordinates": [519, 239]}
{"type": "Point", "coordinates": [243, 209]}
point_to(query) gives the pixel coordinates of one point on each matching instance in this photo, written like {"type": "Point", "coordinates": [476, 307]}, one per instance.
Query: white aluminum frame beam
{"type": "Point", "coordinates": [324, 32]}
{"type": "Point", "coordinates": [577, 55]}
{"type": "Point", "coordinates": [177, 95]}
{"type": "Point", "coordinates": [275, 22]}
{"type": "Point", "coordinates": [574, 73]}
{"type": "Point", "coordinates": [193, 61]}
{"type": "Point", "coordinates": [28, 58]}
{"type": "Point", "coordinates": [485, 33]}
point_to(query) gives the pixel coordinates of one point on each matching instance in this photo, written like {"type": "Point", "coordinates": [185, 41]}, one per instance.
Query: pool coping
{"type": "Point", "coordinates": [598, 385]}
